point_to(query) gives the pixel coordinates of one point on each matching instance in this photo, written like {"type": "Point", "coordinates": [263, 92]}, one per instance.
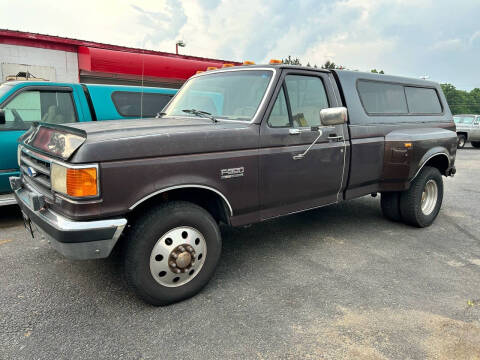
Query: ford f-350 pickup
{"type": "Point", "coordinates": [236, 146]}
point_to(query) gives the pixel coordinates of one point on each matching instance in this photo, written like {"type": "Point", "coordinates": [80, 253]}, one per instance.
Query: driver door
{"type": "Point", "coordinates": [287, 184]}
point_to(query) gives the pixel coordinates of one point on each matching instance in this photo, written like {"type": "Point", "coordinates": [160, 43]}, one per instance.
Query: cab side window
{"type": "Point", "coordinates": [50, 107]}
{"type": "Point", "coordinates": [307, 97]}
{"type": "Point", "coordinates": [279, 115]}
{"type": "Point", "coordinates": [22, 110]}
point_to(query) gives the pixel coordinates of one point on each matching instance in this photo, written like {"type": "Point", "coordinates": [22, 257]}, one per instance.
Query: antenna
{"type": "Point", "coordinates": [141, 96]}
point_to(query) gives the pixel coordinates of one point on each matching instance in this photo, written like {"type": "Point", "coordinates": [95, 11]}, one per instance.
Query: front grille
{"type": "Point", "coordinates": [36, 169]}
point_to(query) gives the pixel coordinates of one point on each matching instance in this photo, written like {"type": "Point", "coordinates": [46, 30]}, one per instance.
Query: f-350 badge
{"type": "Point", "coordinates": [232, 173]}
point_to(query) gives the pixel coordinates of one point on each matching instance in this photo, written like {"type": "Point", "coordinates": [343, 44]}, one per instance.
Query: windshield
{"type": "Point", "coordinates": [464, 119]}
{"type": "Point", "coordinates": [232, 95]}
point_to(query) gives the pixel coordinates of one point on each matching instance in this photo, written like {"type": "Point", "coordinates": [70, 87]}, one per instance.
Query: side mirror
{"type": "Point", "coordinates": [2, 117]}
{"type": "Point", "coordinates": [333, 116]}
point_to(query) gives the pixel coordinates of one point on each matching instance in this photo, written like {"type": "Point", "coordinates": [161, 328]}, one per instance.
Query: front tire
{"type": "Point", "coordinates": [461, 141]}
{"type": "Point", "coordinates": [172, 252]}
{"type": "Point", "coordinates": [476, 144]}
{"type": "Point", "coordinates": [420, 205]}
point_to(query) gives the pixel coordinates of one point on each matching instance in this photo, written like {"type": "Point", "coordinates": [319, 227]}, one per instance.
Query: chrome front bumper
{"type": "Point", "coordinates": [79, 240]}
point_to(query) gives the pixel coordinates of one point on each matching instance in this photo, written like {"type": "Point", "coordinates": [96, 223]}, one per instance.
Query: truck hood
{"type": "Point", "coordinates": [112, 140]}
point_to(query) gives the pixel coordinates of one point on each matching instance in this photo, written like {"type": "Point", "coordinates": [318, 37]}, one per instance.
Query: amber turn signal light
{"type": "Point", "coordinates": [248, 62]}
{"type": "Point", "coordinates": [227, 65]}
{"type": "Point", "coordinates": [275, 61]}
{"type": "Point", "coordinates": [408, 145]}
{"type": "Point", "coordinates": [212, 68]}
{"type": "Point", "coordinates": [82, 182]}
{"type": "Point", "coordinates": [199, 71]}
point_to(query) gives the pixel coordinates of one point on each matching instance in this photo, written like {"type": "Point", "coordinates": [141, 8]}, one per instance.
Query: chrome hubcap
{"type": "Point", "coordinates": [429, 197]}
{"type": "Point", "coordinates": [178, 256]}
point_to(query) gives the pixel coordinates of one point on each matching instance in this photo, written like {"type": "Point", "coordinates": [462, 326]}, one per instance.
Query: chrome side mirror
{"type": "Point", "coordinates": [2, 117]}
{"type": "Point", "coordinates": [333, 116]}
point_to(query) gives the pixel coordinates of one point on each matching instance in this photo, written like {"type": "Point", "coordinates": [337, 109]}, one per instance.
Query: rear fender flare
{"type": "Point", "coordinates": [429, 155]}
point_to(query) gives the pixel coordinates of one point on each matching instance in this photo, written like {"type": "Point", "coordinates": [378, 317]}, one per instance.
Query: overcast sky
{"type": "Point", "coordinates": [438, 38]}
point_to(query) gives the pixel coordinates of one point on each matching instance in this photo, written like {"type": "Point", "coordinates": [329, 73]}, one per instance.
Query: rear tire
{"type": "Point", "coordinates": [420, 205]}
{"type": "Point", "coordinates": [173, 236]}
{"type": "Point", "coordinates": [390, 203]}
{"type": "Point", "coordinates": [461, 141]}
{"type": "Point", "coordinates": [476, 144]}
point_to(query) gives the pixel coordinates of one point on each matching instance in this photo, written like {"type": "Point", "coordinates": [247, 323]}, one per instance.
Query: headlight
{"type": "Point", "coordinates": [75, 182]}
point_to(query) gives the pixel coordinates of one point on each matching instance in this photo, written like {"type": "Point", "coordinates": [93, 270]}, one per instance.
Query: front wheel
{"type": "Point", "coordinates": [476, 144]}
{"type": "Point", "coordinates": [172, 252]}
{"type": "Point", "coordinates": [420, 205]}
{"type": "Point", "coordinates": [461, 141]}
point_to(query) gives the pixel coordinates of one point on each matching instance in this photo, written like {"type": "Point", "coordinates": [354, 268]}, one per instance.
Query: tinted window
{"type": "Point", "coordinates": [422, 100]}
{"type": "Point", "coordinates": [307, 97]}
{"type": "Point", "coordinates": [40, 106]}
{"type": "Point", "coordinates": [130, 103]}
{"type": "Point", "coordinates": [382, 98]}
{"type": "Point", "coordinates": [279, 115]}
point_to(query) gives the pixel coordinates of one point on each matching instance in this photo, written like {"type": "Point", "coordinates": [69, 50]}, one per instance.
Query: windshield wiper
{"type": "Point", "coordinates": [201, 113]}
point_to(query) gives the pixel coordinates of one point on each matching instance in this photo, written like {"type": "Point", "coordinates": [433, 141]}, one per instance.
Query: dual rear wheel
{"type": "Point", "coordinates": [420, 204]}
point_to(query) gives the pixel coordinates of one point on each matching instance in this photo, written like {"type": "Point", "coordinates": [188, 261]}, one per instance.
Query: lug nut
{"type": "Point", "coordinates": [172, 264]}
{"type": "Point", "coordinates": [190, 249]}
{"type": "Point", "coordinates": [177, 271]}
{"type": "Point", "coordinates": [174, 255]}
{"type": "Point", "coordinates": [181, 248]}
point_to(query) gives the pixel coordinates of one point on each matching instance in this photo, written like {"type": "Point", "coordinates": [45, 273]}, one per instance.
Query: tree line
{"type": "Point", "coordinates": [459, 101]}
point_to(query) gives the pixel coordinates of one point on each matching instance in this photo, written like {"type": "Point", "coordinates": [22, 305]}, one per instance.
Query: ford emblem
{"type": "Point", "coordinates": [31, 172]}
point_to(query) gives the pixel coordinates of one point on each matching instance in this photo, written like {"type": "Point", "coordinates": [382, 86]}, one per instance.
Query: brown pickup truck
{"type": "Point", "coordinates": [236, 146]}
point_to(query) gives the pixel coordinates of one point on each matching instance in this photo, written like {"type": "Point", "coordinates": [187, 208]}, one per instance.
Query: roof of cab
{"type": "Point", "coordinates": [109, 86]}
{"type": "Point", "coordinates": [342, 74]}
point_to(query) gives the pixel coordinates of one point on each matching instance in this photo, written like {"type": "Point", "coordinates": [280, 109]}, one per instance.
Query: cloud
{"type": "Point", "coordinates": [404, 37]}
{"type": "Point", "coordinates": [447, 45]}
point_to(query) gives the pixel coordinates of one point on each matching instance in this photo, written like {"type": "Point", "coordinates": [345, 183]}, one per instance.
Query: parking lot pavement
{"type": "Point", "coordinates": [337, 282]}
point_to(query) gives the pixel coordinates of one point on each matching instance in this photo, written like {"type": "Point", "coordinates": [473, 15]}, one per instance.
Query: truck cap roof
{"type": "Point", "coordinates": [342, 74]}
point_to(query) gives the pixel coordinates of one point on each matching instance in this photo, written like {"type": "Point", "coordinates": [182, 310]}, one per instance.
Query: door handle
{"type": "Point", "coordinates": [335, 137]}
{"type": "Point", "coordinates": [294, 131]}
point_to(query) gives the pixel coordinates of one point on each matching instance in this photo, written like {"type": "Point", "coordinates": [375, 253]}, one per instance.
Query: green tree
{"type": "Point", "coordinates": [377, 72]}
{"type": "Point", "coordinates": [289, 60]}
{"type": "Point", "coordinates": [461, 101]}
{"type": "Point", "coordinates": [329, 65]}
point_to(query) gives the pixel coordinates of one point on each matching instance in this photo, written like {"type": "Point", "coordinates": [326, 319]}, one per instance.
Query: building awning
{"type": "Point", "coordinates": [173, 67]}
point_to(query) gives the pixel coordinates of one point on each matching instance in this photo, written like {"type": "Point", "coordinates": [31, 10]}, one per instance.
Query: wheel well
{"type": "Point", "coordinates": [439, 161]}
{"type": "Point", "coordinates": [463, 133]}
{"type": "Point", "coordinates": [207, 199]}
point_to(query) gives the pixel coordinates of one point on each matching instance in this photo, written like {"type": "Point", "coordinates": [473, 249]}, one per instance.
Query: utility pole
{"type": "Point", "coordinates": [179, 43]}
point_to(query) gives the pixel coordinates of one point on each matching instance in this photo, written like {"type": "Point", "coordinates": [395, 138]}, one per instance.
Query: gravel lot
{"type": "Point", "coordinates": [338, 282]}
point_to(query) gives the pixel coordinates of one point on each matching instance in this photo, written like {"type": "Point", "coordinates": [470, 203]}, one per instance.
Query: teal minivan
{"type": "Point", "coordinates": [25, 102]}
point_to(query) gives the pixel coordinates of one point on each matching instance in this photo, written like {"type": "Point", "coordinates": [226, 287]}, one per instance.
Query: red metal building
{"type": "Point", "coordinates": [98, 63]}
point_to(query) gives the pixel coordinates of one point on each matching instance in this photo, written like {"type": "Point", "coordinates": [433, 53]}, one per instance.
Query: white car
{"type": "Point", "coordinates": [468, 129]}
